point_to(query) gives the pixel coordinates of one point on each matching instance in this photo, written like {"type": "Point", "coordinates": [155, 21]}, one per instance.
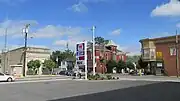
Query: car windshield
{"type": "Point", "coordinates": [1, 74]}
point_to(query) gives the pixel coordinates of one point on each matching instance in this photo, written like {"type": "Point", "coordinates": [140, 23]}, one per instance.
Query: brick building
{"type": "Point", "coordinates": [160, 53]}
{"type": "Point", "coordinates": [104, 53]}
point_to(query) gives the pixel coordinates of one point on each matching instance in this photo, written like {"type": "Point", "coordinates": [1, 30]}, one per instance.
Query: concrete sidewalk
{"type": "Point", "coordinates": [42, 77]}
{"type": "Point", "coordinates": [148, 78]}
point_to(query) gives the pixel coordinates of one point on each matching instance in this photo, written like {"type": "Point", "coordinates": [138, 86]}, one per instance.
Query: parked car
{"type": "Point", "coordinates": [62, 73]}
{"type": "Point", "coordinates": [5, 77]}
{"type": "Point", "coordinates": [69, 73]}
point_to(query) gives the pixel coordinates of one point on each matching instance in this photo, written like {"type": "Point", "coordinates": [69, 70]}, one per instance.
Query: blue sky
{"type": "Point", "coordinates": [56, 22]}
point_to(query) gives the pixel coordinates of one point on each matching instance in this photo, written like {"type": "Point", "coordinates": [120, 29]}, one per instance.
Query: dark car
{"type": "Point", "coordinates": [62, 73]}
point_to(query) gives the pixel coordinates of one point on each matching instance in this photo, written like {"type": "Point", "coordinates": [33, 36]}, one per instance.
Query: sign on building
{"type": "Point", "coordinates": [172, 51]}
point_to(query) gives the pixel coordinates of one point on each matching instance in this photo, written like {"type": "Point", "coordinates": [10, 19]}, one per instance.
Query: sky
{"type": "Point", "coordinates": [54, 23]}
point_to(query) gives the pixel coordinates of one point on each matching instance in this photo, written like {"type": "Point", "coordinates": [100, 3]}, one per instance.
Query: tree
{"type": "Point", "coordinates": [130, 65]}
{"type": "Point", "coordinates": [110, 65]}
{"type": "Point", "coordinates": [121, 65]}
{"type": "Point", "coordinates": [100, 40]}
{"type": "Point", "coordinates": [49, 64]}
{"type": "Point", "coordinates": [30, 64]}
{"type": "Point", "coordinates": [142, 64]}
{"type": "Point", "coordinates": [133, 59]}
{"type": "Point", "coordinates": [62, 55]}
{"type": "Point", "coordinates": [34, 65]}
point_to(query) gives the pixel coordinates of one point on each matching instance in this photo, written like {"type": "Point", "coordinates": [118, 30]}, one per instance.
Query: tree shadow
{"type": "Point", "coordinates": [165, 91]}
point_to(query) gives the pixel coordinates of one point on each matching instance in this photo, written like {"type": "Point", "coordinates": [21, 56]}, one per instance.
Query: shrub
{"type": "Point", "coordinates": [121, 65]}
{"type": "Point", "coordinates": [110, 65]}
{"type": "Point", "coordinates": [30, 72]}
{"type": "Point", "coordinates": [46, 71]}
{"type": "Point", "coordinates": [109, 77]}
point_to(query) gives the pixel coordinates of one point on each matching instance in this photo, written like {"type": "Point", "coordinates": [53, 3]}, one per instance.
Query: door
{"type": "Point", "coordinates": [2, 77]}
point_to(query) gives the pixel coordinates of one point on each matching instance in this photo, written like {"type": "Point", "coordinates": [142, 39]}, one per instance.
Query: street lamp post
{"type": "Point", "coordinates": [93, 37]}
{"type": "Point", "coordinates": [25, 30]}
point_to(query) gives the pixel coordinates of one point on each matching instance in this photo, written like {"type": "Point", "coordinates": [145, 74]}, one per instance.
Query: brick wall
{"type": "Point", "coordinates": [169, 61]}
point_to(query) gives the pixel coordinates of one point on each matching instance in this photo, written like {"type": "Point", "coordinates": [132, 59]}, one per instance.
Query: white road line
{"type": "Point", "coordinates": [21, 82]}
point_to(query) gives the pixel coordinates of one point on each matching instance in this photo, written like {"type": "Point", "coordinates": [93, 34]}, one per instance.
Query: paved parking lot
{"type": "Point", "coordinates": [58, 90]}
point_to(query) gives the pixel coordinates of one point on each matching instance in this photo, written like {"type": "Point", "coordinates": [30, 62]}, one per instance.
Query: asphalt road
{"type": "Point", "coordinates": [65, 90]}
{"type": "Point", "coordinates": [153, 92]}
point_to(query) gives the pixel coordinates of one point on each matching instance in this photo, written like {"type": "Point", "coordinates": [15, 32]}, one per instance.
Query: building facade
{"type": "Point", "coordinates": [104, 53]}
{"type": "Point", "coordinates": [160, 53]}
{"type": "Point", "coordinates": [12, 61]}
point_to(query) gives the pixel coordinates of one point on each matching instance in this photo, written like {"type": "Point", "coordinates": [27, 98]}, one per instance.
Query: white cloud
{"type": "Point", "coordinates": [80, 7]}
{"type": "Point", "coordinates": [14, 27]}
{"type": "Point", "coordinates": [74, 34]}
{"type": "Point", "coordinates": [131, 49]}
{"type": "Point", "coordinates": [49, 31]}
{"type": "Point", "coordinates": [116, 32]}
{"type": "Point", "coordinates": [163, 34]}
{"type": "Point", "coordinates": [72, 40]}
{"type": "Point", "coordinates": [171, 8]}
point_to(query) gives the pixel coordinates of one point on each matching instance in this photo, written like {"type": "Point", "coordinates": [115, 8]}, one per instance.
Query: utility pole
{"type": "Point", "coordinates": [5, 50]}
{"type": "Point", "coordinates": [93, 37]}
{"type": "Point", "coordinates": [25, 31]}
{"type": "Point", "coordinates": [177, 54]}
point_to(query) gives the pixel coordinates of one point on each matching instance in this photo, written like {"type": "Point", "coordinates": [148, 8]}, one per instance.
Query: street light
{"type": "Point", "coordinates": [25, 30]}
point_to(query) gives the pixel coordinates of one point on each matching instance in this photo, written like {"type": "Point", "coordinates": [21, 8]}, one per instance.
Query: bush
{"type": "Point", "coordinates": [30, 72]}
{"type": "Point", "coordinates": [130, 65]}
{"type": "Point", "coordinates": [110, 65]}
{"type": "Point", "coordinates": [95, 77]}
{"type": "Point", "coordinates": [109, 77]}
{"type": "Point", "coordinates": [121, 65]}
{"type": "Point", "coordinates": [46, 71]}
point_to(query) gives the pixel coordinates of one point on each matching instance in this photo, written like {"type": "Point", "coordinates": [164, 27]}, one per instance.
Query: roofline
{"type": "Point", "coordinates": [27, 47]}
{"type": "Point", "coordinates": [154, 39]}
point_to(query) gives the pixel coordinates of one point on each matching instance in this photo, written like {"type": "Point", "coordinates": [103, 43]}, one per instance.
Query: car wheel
{"type": "Point", "coordinates": [9, 80]}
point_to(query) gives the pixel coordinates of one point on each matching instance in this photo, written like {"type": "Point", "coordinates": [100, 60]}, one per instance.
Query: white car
{"type": "Point", "coordinates": [8, 78]}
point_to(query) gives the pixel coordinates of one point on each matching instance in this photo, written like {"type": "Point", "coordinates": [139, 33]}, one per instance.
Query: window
{"type": "Point", "coordinates": [152, 53]}
{"type": "Point", "coordinates": [172, 51]}
{"type": "Point", "coordinates": [159, 55]}
{"type": "Point", "coordinates": [1, 74]}
{"type": "Point", "coordinates": [146, 52]}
